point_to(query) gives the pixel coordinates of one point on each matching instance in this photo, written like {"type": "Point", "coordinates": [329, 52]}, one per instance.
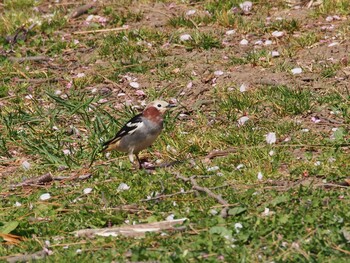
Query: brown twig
{"type": "Point", "coordinates": [132, 230]}
{"type": "Point", "coordinates": [29, 257]}
{"type": "Point", "coordinates": [46, 178]}
{"type": "Point", "coordinates": [32, 58]}
{"type": "Point", "coordinates": [100, 31]}
{"type": "Point", "coordinates": [196, 186]}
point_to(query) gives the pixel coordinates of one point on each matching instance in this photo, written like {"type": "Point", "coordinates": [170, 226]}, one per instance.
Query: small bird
{"type": "Point", "coordinates": [139, 132]}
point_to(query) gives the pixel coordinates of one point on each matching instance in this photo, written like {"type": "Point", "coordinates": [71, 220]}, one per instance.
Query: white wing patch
{"type": "Point", "coordinates": [137, 125]}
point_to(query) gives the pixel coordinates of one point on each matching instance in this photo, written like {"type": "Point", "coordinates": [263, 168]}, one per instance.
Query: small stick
{"type": "Point", "coordinates": [100, 30]}
{"type": "Point", "coordinates": [33, 58]}
{"type": "Point", "coordinates": [196, 186]}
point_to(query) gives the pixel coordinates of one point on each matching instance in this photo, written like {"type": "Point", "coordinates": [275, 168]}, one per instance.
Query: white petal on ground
{"type": "Point", "coordinates": [185, 37]}
{"type": "Point", "coordinates": [243, 87]}
{"type": "Point", "coordinates": [315, 120]}
{"type": "Point", "coordinates": [241, 121]}
{"type": "Point", "coordinates": [240, 166]}
{"type": "Point", "coordinates": [317, 163]}
{"type": "Point", "coordinates": [45, 196]}
{"type": "Point", "coordinates": [244, 42]}
{"type": "Point", "coordinates": [238, 227]}
{"type": "Point", "coordinates": [271, 153]}
{"type": "Point", "coordinates": [134, 84]}
{"type": "Point", "coordinates": [66, 152]}
{"type": "Point", "coordinates": [140, 93]}
{"type": "Point", "coordinates": [189, 84]}
{"type": "Point", "coordinates": [260, 176]}
{"type": "Point", "coordinates": [305, 130]}
{"type": "Point", "coordinates": [230, 32]}
{"type": "Point", "coordinates": [266, 212]}
{"type": "Point", "coordinates": [17, 204]}
{"type": "Point", "coordinates": [333, 44]}
{"type": "Point", "coordinates": [246, 6]}
{"type": "Point", "coordinates": [213, 212]}
{"type": "Point", "coordinates": [268, 42]}
{"type": "Point", "coordinates": [218, 73]}
{"type": "Point", "coordinates": [275, 54]}
{"type": "Point", "coordinates": [26, 165]}
{"type": "Point", "coordinates": [258, 42]}
{"type": "Point", "coordinates": [170, 217]}
{"type": "Point", "coordinates": [329, 18]}
{"type": "Point", "coordinates": [278, 33]}
{"type": "Point", "coordinates": [80, 75]}
{"type": "Point", "coordinates": [214, 168]}
{"type": "Point", "coordinates": [87, 191]}
{"type": "Point", "coordinates": [271, 138]}
{"type": "Point", "coordinates": [296, 71]}
{"type": "Point", "coordinates": [190, 12]}
{"type": "Point", "coordinates": [123, 187]}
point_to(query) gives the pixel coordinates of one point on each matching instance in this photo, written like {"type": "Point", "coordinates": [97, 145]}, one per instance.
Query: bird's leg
{"type": "Point", "coordinates": [138, 159]}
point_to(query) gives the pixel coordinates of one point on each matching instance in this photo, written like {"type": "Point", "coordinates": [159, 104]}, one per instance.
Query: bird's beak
{"type": "Point", "coordinates": [171, 105]}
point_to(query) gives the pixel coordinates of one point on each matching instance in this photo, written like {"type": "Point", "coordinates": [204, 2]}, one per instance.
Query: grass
{"type": "Point", "coordinates": [55, 119]}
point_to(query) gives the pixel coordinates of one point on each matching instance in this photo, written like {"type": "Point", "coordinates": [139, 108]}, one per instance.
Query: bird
{"type": "Point", "coordinates": [140, 131]}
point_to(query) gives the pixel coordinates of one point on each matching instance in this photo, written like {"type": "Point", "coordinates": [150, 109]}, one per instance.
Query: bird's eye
{"type": "Point", "coordinates": [159, 105]}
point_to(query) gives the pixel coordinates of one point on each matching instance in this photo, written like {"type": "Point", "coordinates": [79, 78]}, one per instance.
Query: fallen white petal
{"type": "Point", "coordinates": [246, 6]}
{"type": "Point", "coordinates": [260, 176]}
{"type": "Point", "coordinates": [268, 42]}
{"type": "Point", "coordinates": [275, 54]}
{"type": "Point", "coordinates": [17, 204]}
{"type": "Point", "coordinates": [44, 197]}
{"type": "Point", "coordinates": [259, 42]}
{"type": "Point", "coordinates": [26, 165]}
{"type": "Point", "coordinates": [243, 87]}
{"type": "Point", "coordinates": [58, 92]}
{"type": "Point", "coordinates": [189, 85]}
{"type": "Point", "coordinates": [329, 18]}
{"type": "Point", "coordinates": [218, 73]}
{"type": "Point", "coordinates": [80, 75]}
{"type": "Point", "coordinates": [123, 187]}
{"type": "Point", "coordinates": [230, 32]}
{"type": "Point", "coordinates": [134, 84]}
{"type": "Point", "coordinates": [66, 152]}
{"type": "Point", "coordinates": [317, 163]}
{"type": "Point", "coordinates": [242, 120]}
{"type": "Point", "coordinates": [315, 120]}
{"type": "Point", "coordinates": [266, 212]}
{"type": "Point", "coordinates": [271, 153]}
{"type": "Point", "coordinates": [238, 227]}
{"type": "Point", "coordinates": [333, 44]}
{"type": "Point", "coordinates": [305, 130]}
{"type": "Point", "coordinates": [190, 12]}
{"type": "Point", "coordinates": [271, 138]}
{"type": "Point", "coordinates": [277, 33]}
{"type": "Point", "coordinates": [185, 37]}
{"type": "Point", "coordinates": [214, 168]}
{"type": "Point", "coordinates": [170, 217]}
{"type": "Point", "coordinates": [140, 93]}
{"type": "Point", "coordinates": [296, 70]}
{"type": "Point", "coordinates": [240, 166]}
{"type": "Point", "coordinates": [244, 42]}
{"type": "Point", "coordinates": [87, 191]}
{"type": "Point", "coordinates": [213, 212]}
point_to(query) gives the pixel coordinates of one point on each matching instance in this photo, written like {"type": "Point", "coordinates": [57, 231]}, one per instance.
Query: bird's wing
{"type": "Point", "coordinates": [130, 127]}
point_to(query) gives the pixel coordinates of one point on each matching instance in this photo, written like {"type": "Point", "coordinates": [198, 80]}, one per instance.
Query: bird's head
{"type": "Point", "coordinates": [157, 108]}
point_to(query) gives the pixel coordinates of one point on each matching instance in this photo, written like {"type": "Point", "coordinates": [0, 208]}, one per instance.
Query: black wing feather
{"type": "Point", "coordinates": [125, 129]}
